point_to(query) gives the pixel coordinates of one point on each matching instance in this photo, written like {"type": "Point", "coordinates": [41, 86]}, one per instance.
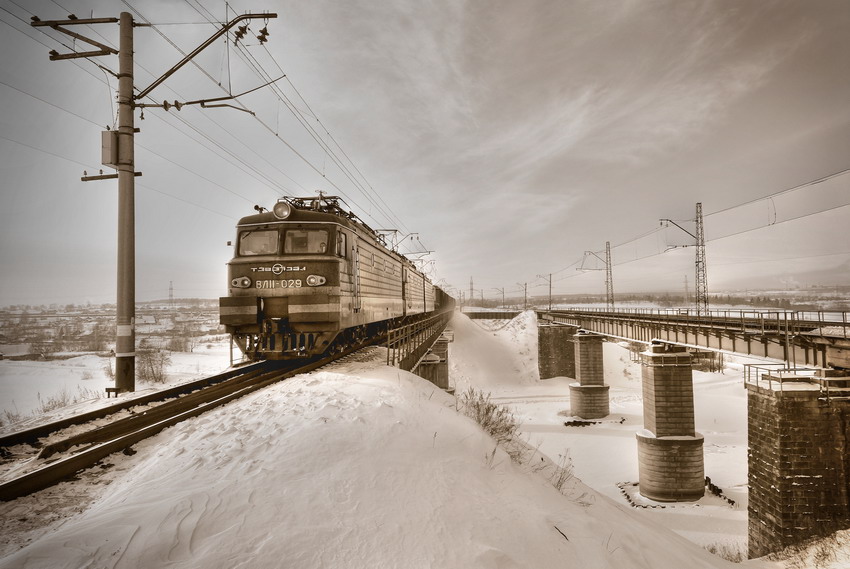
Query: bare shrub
{"type": "Point", "coordinates": [814, 553]}
{"type": "Point", "coordinates": [151, 365]}
{"type": "Point", "coordinates": [10, 416]}
{"type": "Point", "coordinates": [563, 471]}
{"type": "Point", "coordinates": [734, 552]}
{"type": "Point", "coordinates": [64, 398]}
{"type": "Point", "coordinates": [56, 401]}
{"type": "Point", "coordinates": [108, 371]}
{"type": "Point", "coordinates": [498, 421]}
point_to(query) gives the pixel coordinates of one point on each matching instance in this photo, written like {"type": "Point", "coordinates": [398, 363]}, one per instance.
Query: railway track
{"type": "Point", "coordinates": [56, 455]}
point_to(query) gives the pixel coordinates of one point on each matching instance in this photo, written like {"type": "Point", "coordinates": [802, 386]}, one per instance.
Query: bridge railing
{"type": "Point", "coordinates": [831, 323]}
{"type": "Point", "coordinates": [408, 344]}
{"type": "Point", "coordinates": [771, 376]}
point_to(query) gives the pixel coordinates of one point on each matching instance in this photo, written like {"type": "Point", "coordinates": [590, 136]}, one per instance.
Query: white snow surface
{"type": "Point", "coordinates": [362, 465]}
{"type": "Point", "coordinates": [26, 386]}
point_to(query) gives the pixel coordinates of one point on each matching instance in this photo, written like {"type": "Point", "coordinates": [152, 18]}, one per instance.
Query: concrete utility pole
{"type": "Point", "coordinates": [524, 295]}
{"type": "Point", "coordinates": [122, 159]}
{"type": "Point", "coordinates": [125, 345]}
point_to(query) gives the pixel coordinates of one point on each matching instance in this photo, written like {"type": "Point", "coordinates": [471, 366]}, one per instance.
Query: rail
{"type": "Point", "coordinates": [408, 344]}
{"type": "Point", "coordinates": [30, 436]}
{"type": "Point", "coordinates": [84, 450]}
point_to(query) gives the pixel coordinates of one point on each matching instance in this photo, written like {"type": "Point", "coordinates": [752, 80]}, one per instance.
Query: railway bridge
{"type": "Point", "coordinates": [798, 406]}
{"type": "Point", "coordinates": [817, 339]}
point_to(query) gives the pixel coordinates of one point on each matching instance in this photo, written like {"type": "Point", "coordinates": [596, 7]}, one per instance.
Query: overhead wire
{"type": "Point", "coordinates": [91, 167]}
{"type": "Point", "coordinates": [773, 223]}
{"type": "Point", "coordinates": [263, 123]}
{"type": "Point", "coordinates": [143, 147]}
{"type": "Point", "coordinates": [300, 155]}
{"type": "Point", "coordinates": [368, 192]}
{"type": "Point", "coordinates": [781, 192]}
{"type": "Point", "coordinates": [265, 180]}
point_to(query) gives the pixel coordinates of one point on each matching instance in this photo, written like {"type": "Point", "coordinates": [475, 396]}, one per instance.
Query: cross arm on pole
{"type": "Point", "coordinates": [679, 226]}
{"type": "Point", "coordinates": [144, 92]}
{"type": "Point", "coordinates": [103, 49]}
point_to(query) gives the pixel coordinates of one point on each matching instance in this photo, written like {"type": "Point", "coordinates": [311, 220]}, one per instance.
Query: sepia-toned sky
{"type": "Point", "coordinates": [508, 137]}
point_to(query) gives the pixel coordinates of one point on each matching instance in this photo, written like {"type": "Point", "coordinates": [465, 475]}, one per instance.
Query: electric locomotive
{"type": "Point", "coordinates": [308, 277]}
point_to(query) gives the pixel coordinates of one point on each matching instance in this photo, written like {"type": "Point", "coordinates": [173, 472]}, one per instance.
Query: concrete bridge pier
{"type": "Point", "coordinates": [588, 397]}
{"type": "Point", "coordinates": [435, 365]}
{"type": "Point", "coordinates": [670, 451]}
{"type": "Point", "coordinates": [799, 457]}
{"type": "Point", "coordinates": [555, 352]}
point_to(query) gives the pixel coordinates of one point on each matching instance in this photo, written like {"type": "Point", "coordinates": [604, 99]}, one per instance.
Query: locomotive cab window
{"type": "Point", "coordinates": [306, 241]}
{"type": "Point", "coordinates": [258, 242]}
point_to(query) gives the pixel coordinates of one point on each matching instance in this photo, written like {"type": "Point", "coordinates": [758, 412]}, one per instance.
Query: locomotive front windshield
{"type": "Point", "coordinates": [295, 241]}
{"type": "Point", "coordinates": [258, 242]}
{"type": "Point", "coordinates": [306, 241]}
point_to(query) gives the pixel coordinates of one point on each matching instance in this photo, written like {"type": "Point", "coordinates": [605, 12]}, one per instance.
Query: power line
{"type": "Point", "coordinates": [250, 60]}
{"type": "Point", "coordinates": [267, 180]}
{"type": "Point", "coordinates": [89, 166]}
{"type": "Point", "coordinates": [781, 192]}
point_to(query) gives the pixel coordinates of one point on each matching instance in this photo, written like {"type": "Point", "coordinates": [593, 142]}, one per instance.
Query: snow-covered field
{"type": "Point", "coordinates": [28, 386]}
{"type": "Point", "coordinates": [361, 465]}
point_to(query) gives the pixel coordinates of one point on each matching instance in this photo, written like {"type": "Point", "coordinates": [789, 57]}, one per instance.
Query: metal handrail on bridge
{"type": "Point", "coordinates": [408, 344]}
{"type": "Point", "coordinates": [761, 321]}
{"type": "Point", "coordinates": [767, 375]}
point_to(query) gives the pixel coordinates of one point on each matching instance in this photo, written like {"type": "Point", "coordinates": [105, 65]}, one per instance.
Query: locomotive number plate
{"type": "Point", "coordinates": [290, 283]}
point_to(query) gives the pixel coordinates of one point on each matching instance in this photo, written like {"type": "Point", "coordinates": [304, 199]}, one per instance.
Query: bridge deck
{"type": "Point", "coordinates": [820, 339]}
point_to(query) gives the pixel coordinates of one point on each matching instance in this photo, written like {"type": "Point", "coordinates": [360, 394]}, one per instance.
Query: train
{"type": "Point", "coordinates": [309, 277]}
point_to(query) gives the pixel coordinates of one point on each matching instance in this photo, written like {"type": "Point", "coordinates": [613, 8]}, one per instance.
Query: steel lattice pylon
{"type": "Point", "coordinates": [609, 280]}
{"type": "Point", "coordinates": [701, 275]}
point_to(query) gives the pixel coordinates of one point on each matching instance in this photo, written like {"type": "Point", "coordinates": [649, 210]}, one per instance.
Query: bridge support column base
{"type": "Point", "coordinates": [671, 469]}
{"type": "Point", "coordinates": [435, 365]}
{"type": "Point", "coordinates": [589, 401]}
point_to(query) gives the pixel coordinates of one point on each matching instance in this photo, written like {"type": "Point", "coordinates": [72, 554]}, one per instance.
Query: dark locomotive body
{"type": "Point", "coordinates": [308, 277]}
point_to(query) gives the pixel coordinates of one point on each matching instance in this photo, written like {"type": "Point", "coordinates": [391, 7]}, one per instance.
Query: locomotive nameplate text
{"type": "Point", "coordinates": [278, 269]}
{"type": "Point", "coordinates": [290, 283]}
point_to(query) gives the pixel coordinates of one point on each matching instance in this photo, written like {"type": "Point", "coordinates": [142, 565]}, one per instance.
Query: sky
{"type": "Point", "coordinates": [506, 138]}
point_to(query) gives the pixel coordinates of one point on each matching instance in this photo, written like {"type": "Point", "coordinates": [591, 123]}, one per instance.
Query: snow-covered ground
{"type": "Point", "coordinates": [361, 465]}
{"type": "Point", "coordinates": [605, 454]}
{"type": "Point", "coordinates": [26, 387]}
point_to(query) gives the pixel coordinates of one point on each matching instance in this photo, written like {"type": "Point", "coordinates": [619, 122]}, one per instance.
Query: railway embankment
{"type": "Point", "coordinates": [353, 465]}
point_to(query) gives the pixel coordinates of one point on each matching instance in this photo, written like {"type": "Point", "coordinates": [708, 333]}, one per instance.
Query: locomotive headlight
{"type": "Point", "coordinates": [282, 210]}
{"type": "Point", "coordinates": [315, 280]}
{"type": "Point", "coordinates": [241, 282]}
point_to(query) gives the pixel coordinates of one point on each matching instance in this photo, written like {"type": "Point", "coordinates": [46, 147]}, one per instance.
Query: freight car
{"type": "Point", "coordinates": [308, 277]}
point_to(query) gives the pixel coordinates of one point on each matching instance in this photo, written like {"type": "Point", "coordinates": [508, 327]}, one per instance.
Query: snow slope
{"type": "Point", "coordinates": [605, 454]}
{"type": "Point", "coordinates": [359, 465]}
